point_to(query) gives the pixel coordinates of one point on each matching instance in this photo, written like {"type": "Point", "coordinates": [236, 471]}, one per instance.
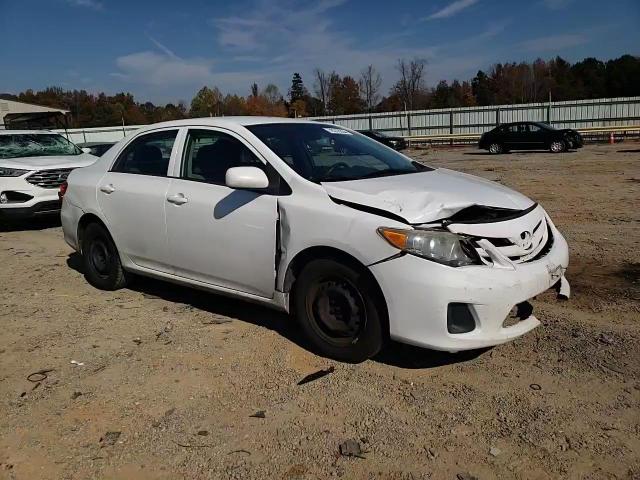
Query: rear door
{"type": "Point", "coordinates": [132, 198]}
{"type": "Point", "coordinates": [216, 234]}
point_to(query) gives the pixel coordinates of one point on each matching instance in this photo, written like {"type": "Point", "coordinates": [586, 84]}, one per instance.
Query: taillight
{"type": "Point", "coordinates": [63, 189]}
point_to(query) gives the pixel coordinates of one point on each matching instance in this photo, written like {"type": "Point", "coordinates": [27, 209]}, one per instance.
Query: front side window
{"type": "Point", "coordinates": [35, 145]}
{"type": "Point", "coordinates": [147, 155]}
{"type": "Point", "coordinates": [517, 128]}
{"type": "Point", "coordinates": [326, 153]}
{"type": "Point", "coordinates": [209, 154]}
{"type": "Point", "coordinates": [533, 128]}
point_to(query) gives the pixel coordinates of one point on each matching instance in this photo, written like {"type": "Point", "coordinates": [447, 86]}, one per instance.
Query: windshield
{"type": "Point", "coordinates": [378, 133]}
{"type": "Point", "coordinates": [22, 145]}
{"type": "Point", "coordinates": [326, 153]}
{"type": "Point", "coordinates": [544, 126]}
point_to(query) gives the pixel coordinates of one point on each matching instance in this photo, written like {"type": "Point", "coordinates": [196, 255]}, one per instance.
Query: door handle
{"type": "Point", "coordinates": [108, 189]}
{"type": "Point", "coordinates": [178, 199]}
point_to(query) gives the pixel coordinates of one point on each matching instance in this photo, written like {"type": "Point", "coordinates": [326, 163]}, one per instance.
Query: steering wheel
{"type": "Point", "coordinates": [335, 167]}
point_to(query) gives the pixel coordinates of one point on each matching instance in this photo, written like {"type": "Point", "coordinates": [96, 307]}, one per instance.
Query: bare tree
{"type": "Point", "coordinates": [272, 94]}
{"type": "Point", "coordinates": [322, 86]}
{"type": "Point", "coordinates": [369, 84]}
{"type": "Point", "coordinates": [411, 83]}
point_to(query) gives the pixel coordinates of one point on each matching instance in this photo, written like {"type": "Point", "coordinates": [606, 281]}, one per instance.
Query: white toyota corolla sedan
{"type": "Point", "coordinates": [360, 242]}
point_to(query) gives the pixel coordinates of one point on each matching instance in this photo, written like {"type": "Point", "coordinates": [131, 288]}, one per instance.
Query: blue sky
{"type": "Point", "coordinates": [166, 50]}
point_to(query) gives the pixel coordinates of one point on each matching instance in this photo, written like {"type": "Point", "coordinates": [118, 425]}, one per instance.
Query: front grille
{"type": "Point", "coordinates": [519, 251]}
{"type": "Point", "coordinates": [49, 178]}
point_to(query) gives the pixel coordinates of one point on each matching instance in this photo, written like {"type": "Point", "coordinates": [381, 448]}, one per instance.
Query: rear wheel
{"type": "Point", "coordinates": [338, 310]}
{"type": "Point", "coordinates": [100, 258]}
{"type": "Point", "coordinates": [496, 148]}
{"type": "Point", "coordinates": [558, 146]}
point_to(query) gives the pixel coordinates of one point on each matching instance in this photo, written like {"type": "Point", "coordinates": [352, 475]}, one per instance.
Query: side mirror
{"type": "Point", "coordinates": [86, 149]}
{"type": "Point", "coordinates": [249, 178]}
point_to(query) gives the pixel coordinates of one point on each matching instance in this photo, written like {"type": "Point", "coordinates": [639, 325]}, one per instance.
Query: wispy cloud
{"type": "Point", "coordinates": [553, 42]}
{"type": "Point", "coordinates": [160, 71]}
{"type": "Point", "coordinates": [275, 38]}
{"type": "Point", "coordinates": [452, 9]}
{"type": "Point", "coordinates": [494, 29]}
{"type": "Point", "coordinates": [287, 38]}
{"type": "Point", "coordinates": [162, 47]}
{"type": "Point", "coordinates": [94, 4]}
{"type": "Point", "coordinates": [163, 68]}
{"type": "Point", "coordinates": [556, 4]}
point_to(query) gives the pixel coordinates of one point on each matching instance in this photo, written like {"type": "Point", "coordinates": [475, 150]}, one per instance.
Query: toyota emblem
{"type": "Point", "coordinates": [525, 240]}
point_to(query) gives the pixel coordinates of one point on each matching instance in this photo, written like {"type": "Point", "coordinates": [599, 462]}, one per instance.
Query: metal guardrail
{"type": "Point", "coordinates": [470, 137]}
{"type": "Point", "coordinates": [599, 112]}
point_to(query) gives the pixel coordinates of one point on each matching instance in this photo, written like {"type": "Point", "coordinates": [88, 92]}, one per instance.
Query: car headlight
{"type": "Point", "coordinates": [11, 172]}
{"type": "Point", "coordinates": [442, 247]}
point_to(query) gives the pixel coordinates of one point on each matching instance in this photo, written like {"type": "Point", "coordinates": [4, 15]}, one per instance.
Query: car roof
{"type": "Point", "coordinates": [94, 144]}
{"type": "Point", "coordinates": [228, 121]}
{"type": "Point", "coordinates": [25, 132]}
{"type": "Point", "coordinates": [525, 122]}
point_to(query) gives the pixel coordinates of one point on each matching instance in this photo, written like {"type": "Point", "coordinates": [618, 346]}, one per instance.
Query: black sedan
{"type": "Point", "coordinates": [529, 136]}
{"type": "Point", "coordinates": [397, 143]}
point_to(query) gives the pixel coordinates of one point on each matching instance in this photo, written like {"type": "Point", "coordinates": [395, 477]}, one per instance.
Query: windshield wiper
{"type": "Point", "coordinates": [386, 173]}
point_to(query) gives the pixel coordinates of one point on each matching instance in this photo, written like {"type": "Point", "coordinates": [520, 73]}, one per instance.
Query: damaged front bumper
{"type": "Point", "coordinates": [420, 295]}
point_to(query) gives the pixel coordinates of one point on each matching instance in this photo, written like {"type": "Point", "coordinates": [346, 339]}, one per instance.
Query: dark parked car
{"type": "Point", "coordinates": [397, 143]}
{"type": "Point", "coordinates": [529, 136]}
{"type": "Point", "coordinates": [97, 148]}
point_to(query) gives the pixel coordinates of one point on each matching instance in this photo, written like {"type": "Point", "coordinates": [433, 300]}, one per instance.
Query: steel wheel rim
{"type": "Point", "coordinates": [99, 257]}
{"type": "Point", "coordinates": [556, 147]}
{"type": "Point", "coordinates": [494, 148]}
{"type": "Point", "coordinates": [337, 310]}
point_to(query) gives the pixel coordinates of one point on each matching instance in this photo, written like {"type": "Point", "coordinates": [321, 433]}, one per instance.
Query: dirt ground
{"type": "Point", "coordinates": [168, 378]}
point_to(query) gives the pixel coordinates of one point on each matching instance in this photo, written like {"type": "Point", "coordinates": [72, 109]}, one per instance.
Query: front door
{"type": "Point", "coordinates": [132, 198]}
{"type": "Point", "coordinates": [216, 234]}
{"type": "Point", "coordinates": [517, 136]}
{"type": "Point", "coordinates": [537, 136]}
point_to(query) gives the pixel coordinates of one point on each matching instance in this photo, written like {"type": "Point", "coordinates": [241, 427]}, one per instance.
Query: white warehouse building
{"type": "Point", "coordinates": [14, 115]}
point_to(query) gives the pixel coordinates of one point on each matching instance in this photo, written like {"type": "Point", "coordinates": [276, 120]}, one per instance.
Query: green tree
{"type": "Point", "coordinates": [345, 96]}
{"type": "Point", "coordinates": [590, 77]}
{"type": "Point", "coordinates": [623, 76]}
{"type": "Point", "coordinates": [482, 89]}
{"type": "Point", "coordinates": [234, 105]}
{"type": "Point", "coordinates": [297, 90]}
{"type": "Point", "coordinates": [206, 103]}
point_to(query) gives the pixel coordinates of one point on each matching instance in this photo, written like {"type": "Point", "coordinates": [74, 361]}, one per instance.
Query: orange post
{"type": "Point", "coordinates": [612, 138]}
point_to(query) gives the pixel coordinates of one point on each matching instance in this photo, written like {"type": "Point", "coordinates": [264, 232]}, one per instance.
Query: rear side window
{"type": "Point", "coordinates": [147, 155]}
{"type": "Point", "coordinates": [209, 154]}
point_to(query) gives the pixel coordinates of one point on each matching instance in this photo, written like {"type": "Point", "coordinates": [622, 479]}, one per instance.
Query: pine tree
{"type": "Point", "coordinates": [297, 90]}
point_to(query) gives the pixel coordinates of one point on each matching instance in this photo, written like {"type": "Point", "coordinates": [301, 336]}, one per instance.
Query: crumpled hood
{"type": "Point", "coordinates": [426, 196]}
{"type": "Point", "coordinates": [49, 162]}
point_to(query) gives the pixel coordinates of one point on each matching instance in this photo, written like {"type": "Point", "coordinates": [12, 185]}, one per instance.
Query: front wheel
{"type": "Point", "coordinates": [100, 259]}
{"type": "Point", "coordinates": [558, 146]}
{"type": "Point", "coordinates": [338, 310]}
{"type": "Point", "coordinates": [496, 148]}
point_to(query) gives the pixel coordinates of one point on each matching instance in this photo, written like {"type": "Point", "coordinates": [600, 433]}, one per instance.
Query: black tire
{"type": "Point", "coordinates": [496, 149]}
{"type": "Point", "coordinates": [558, 146]}
{"type": "Point", "coordinates": [355, 332]}
{"type": "Point", "coordinates": [100, 259]}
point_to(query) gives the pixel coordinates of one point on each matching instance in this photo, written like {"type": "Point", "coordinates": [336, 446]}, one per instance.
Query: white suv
{"type": "Point", "coordinates": [359, 241]}
{"type": "Point", "coordinates": [33, 165]}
